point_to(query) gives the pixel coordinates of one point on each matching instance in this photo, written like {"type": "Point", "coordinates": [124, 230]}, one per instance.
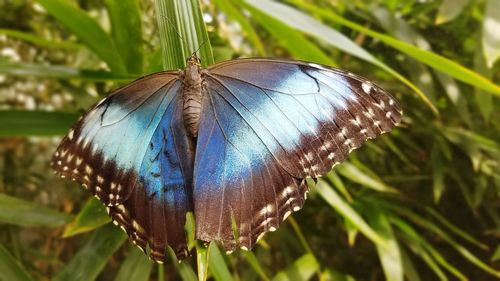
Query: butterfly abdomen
{"type": "Point", "coordinates": [192, 98]}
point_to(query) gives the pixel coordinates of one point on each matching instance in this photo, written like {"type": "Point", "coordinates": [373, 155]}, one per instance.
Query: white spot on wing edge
{"type": "Point", "coordinates": [315, 65]}
{"type": "Point", "coordinates": [367, 87]}
{"type": "Point", "coordinates": [71, 134]}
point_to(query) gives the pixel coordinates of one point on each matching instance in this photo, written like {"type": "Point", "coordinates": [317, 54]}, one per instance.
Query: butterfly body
{"type": "Point", "coordinates": [192, 95]}
{"type": "Point", "coordinates": [232, 143]}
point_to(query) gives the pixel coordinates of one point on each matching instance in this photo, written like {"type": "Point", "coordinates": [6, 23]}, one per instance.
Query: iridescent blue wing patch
{"type": "Point", "coordinates": [132, 153]}
{"type": "Point", "coordinates": [267, 125]}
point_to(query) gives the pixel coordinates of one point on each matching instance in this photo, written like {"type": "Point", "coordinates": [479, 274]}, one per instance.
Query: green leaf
{"type": "Point", "coordinates": [389, 253]}
{"type": "Point", "coordinates": [60, 72]}
{"type": "Point", "coordinates": [337, 182]}
{"type": "Point", "coordinates": [91, 216]}
{"type": "Point", "coordinates": [39, 41]}
{"type": "Point", "coordinates": [234, 13]}
{"type": "Point", "coordinates": [35, 123]}
{"type": "Point", "coordinates": [496, 255]}
{"type": "Point", "coordinates": [126, 29]}
{"type": "Point", "coordinates": [421, 247]}
{"type": "Point", "coordinates": [455, 229]}
{"type": "Point", "coordinates": [409, 267]}
{"type": "Point", "coordinates": [303, 22]}
{"type": "Point", "coordinates": [466, 138]}
{"type": "Point", "coordinates": [431, 59]}
{"type": "Point", "coordinates": [356, 175]}
{"type": "Point", "coordinates": [87, 30]}
{"type": "Point", "coordinates": [217, 265]}
{"type": "Point", "coordinates": [24, 213]}
{"type": "Point", "coordinates": [252, 260]}
{"type": "Point", "coordinates": [438, 173]}
{"type": "Point", "coordinates": [10, 268]}
{"type": "Point", "coordinates": [331, 274]}
{"type": "Point", "coordinates": [136, 267]}
{"type": "Point", "coordinates": [450, 9]}
{"type": "Point", "coordinates": [452, 242]}
{"type": "Point", "coordinates": [202, 261]}
{"type": "Point", "coordinates": [337, 203]}
{"type": "Point", "coordinates": [302, 269]}
{"type": "Point", "coordinates": [426, 257]}
{"type": "Point", "coordinates": [491, 25]}
{"type": "Point", "coordinates": [484, 101]}
{"type": "Point", "coordinates": [296, 43]}
{"type": "Point", "coordinates": [183, 267]}
{"type": "Point", "coordinates": [182, 32]}
{"type": "Point", "coordinates": [93, 256]}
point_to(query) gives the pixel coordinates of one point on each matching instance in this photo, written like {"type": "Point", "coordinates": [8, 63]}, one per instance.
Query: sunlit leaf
{"type": "Point", "coordinates": [484, 101]}
{"type": "Point", "coordinates": [296, 43]}
{"type": "Point", "coordinates": [337, 203]}
{"type": "Point", "coordinates": [450, 9]}
{"type": "Point", "coordinates": [91, 216]}
{"type": "Point", "coordinates": [356, 175]}
{"type": "Point", "coordinates": [491, 37]}
{"type": "Point", "coordinates": [202, 259]}
{"type": "Point", "coordinates": [331, 274]}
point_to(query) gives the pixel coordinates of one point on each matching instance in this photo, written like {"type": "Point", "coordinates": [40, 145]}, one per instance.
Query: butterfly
{"type": "Point", "coordinates": [233, 143]}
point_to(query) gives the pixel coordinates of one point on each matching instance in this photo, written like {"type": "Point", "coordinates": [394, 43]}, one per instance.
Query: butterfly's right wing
{"type": "Point", "coordinates": [131, 152]}
{"type": "Point", "coordinates": [266, 126]}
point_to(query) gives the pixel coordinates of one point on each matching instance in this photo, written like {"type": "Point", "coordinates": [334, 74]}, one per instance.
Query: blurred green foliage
{"type": "Point", "coordinates": [421, 203]}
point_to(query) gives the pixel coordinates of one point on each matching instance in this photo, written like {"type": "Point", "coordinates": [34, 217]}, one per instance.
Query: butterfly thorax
{"type": "Point", "coordinates": [192, 95]}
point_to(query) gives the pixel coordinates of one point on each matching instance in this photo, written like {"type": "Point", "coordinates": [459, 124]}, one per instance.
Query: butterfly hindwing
{"type": "Point", "coordinates": [266, 125]}
{"type": "Point", "coordinates": [237, 177]}
{"type": "Point", "coordinates": [130, 152]}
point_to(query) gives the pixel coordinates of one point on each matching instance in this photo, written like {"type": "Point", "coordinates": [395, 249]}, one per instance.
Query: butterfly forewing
{"type": "Point", "coordinates": [130, 153]}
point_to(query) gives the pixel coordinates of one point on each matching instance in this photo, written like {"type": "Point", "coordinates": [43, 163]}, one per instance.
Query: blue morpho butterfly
{"type": "Point", "coordinates": [231, 142]}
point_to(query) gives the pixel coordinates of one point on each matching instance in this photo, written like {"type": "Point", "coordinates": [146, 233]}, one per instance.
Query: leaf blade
{"type": "Point", "coordinates": [17, 211]}
{"type": "Point", "coordinates": [93, 256]}
{"type": "Point", "coordinates": [87, 30]}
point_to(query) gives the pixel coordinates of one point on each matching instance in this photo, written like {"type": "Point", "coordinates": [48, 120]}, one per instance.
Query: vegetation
{"type": "Point", "coordinates": [420, 203]}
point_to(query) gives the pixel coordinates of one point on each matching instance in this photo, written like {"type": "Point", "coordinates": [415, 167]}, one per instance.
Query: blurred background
{"type": "Point", "coordinates": [420, 203]}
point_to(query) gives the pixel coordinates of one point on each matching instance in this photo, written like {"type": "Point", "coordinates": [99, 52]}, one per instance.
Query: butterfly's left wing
{"type": "Point", "coordinates": [132, 152]}
{"type": "Point", "coordinates": [266, 126]}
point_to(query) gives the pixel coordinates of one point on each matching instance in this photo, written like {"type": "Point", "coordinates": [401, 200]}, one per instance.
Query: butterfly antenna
{"type": "Point", "coordinates": [199, 47]}
{"type": "Point", "coordinates": [174, 27]}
